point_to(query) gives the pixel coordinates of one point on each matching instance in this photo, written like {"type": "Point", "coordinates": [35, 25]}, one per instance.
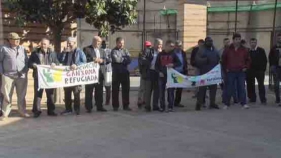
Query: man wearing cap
{"type": "Point", "coordinates": [42, 56]}
{"type": "Point", "coordinates": [14, 68]}
{"type": "Point", "coordinates": [181, 69]}
{"type": "Point", "coordinates": [95, 54]}
{"type": "Point", "coordinates": [143, 74]}
{"type": "Point", "coordinates": [73, 57]}
{"type": "Point", "coordinates": [152, 76]}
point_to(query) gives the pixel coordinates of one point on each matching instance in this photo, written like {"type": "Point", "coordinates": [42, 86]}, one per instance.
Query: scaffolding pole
{"type": "Point", "coordinates": [236, 10]}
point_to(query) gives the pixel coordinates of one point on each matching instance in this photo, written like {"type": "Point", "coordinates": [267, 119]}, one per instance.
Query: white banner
{"type": "Point", "coordinates": [62, 76]}
{"type": "Point", "coordinates": [178, 80]}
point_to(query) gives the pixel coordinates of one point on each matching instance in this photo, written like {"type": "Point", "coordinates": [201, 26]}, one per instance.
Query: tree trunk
{"type": "Point", "coordinates": [57, 33]}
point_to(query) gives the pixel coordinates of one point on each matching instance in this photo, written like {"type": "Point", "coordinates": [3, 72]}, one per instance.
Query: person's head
{"type": "Point", "coordinates": [226, 42]}
{"type": "Point", "coordinates": [14, 39]}
{"type": "Point", "coordinates": [96, 42]}
{"type": "Point", "coordinates": [208, 42]}
{"type": "Point", "coordinates": [201, 42]}
{"type": "Point", "coordinates": [178, 44]}
{"type": "Point", "coordinates": [236, 39]}
{"type": "Point", "coordinates": [158, 44]}
{"type": "Point", "coordinates": [71, 42]}
{"type": "Point", "coordinates": [120, 42]}
{"type": "Point", "coordinates": [169, 46]}
{"type": "Point", "coordinates": [279, 38]}
{"type": "Point", "coordinates": [45, 43]}
{"type": "Point", "coordinates": [147, 44]}
{"type": "Point", "coordinates": [244, 43]}
{"type": "Point", "coordinates": [253, 43]}
{"type": "Point", "coordinates": [103, 44]}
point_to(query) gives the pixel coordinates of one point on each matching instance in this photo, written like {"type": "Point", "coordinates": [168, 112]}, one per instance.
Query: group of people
{"type": "Point", "coordinates": [240, 65]}
{"type": "Point", "coordinates": [15, 63]}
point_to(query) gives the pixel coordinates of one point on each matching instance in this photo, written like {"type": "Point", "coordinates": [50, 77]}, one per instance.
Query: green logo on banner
{"type": "Point", "coordinates": [48, 75]}
{"type": "Point", "coordinates": [177, 78]}
{"type": "Point", "coordinates": [56, 76]}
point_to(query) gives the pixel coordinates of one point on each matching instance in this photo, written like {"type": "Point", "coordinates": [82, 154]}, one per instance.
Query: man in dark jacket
{"type": "Point", "coordinates": [256, 71]}
{"type": "Point", "coordinates": [142, 69]}
{"type": "Point", "coordinates": [95, 54]}
{"type": "Point", "coordinates": [166, 59]}
{"type": "Point", "coordinates": [207, 58]}
{"type": "Point", "coordinates": [42, 56]}
{"type": "Point", "coordinates": [193, 63]}
{"type": "Point", "coordinates": [236, 60]}
{"type": "Point", "coordinates": [73, 58]}
{"type": "Point", "coordinates": [275, 67]}
{"type": "Point", "coordinates": [121, 58]}
{"type": "Point", "coordinates": [151, 76]}
{"type": "Point", "coordinates": [181, 69]}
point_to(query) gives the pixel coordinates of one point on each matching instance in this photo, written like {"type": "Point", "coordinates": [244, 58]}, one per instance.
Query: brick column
{"type": "Point", "coordinates": [192, 21]}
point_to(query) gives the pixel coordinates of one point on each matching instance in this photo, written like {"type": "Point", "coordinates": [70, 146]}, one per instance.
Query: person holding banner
{"type": "Point", "coordinates": [14, 68]}
{"type": "Point", "coordinates": [151, 76]}
{"type": "Point", "coordinates": [73, 57]}
{"type": "Point", "coordinates": [107, 72]}
{"type": "Point", "coordinates": [236, 60]}
{"type": "Point", "coordinates": [166, 59]}
{"type": "Point", "coordinates": [121, 58]}
{"type": "Point", "coordinates": [42, 56]}
{"type": "Point", "coordinates": [95, 54]}
{"type": "Point", "coordinates": [206, 59]}
{"type": "Point", "coordinates": [181, 69]}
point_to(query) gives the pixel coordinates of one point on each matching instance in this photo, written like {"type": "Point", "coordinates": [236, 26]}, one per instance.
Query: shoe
{"type": "Point", "coordinates": [170, 110]}
{"type": "Point", "coordinates": [101, 110]}
{"type": "Point", "coordinates": [214, 107]}
{"type": "Point", "coordinates": [179, 105]}
{"type": "Point", "coordinates": [161, 110]}
{"type": "Point", "coordinates": [25, 115]}
{"type": "Point", "coordinates": [3, 118]}
{"type": "Point", "coordinates": [53, 114]}
{"type": "Point", "coordinates": [225, 107]}
{"type": "Point", "coordinates": [263, 103]}
{"type": "Point", "coordinates": [66, 112]}
{"type": "Point", "coordinates": [147, 109]}
{"type": "Point", "coordinates": [77, 112]}
{"type": "Point", "coordinates": [245, 106]}
{"type": "Point", "coordinates": [198, 107]}
{"type": "Point", "coordinates": [155, 109]}
{"type": "Point", "coordinates": [127, 109]}
{"type": "Point", "coordinates": [37, 114]}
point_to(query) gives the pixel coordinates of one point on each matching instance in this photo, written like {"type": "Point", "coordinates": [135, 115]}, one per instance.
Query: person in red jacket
{"type": "Point", "coordinates": [236, 60]}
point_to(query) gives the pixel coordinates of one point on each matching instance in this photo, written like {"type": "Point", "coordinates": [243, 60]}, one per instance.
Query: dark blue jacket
{"type": "Point", "coordinates": [79, 57]}
{"type": "Point", "coordinates": [206, 59]}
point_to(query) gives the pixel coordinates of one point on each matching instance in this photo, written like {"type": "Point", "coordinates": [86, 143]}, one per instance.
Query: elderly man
{"type": "Point", "coordinates": [42, 56]}
{"type": "Point", "coordinates": [120, 75]}
{"type": "Point", "coordinates": [95, 54]}
{"type": "Point", "coordinates": [14, 68]}
{"type": "Point", "coordinates": [73, 57]}
{"type": "Point", "coordinates": [181, 69]}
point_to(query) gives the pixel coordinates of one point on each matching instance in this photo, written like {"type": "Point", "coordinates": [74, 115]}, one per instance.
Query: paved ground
{"type": "Point", "coordinates": [234, 133]}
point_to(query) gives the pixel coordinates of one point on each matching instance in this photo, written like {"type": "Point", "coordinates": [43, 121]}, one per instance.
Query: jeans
{"type": "Point", "coordinates": [171, 95]}
{"type": "Point", "coordinates": [239, 77]}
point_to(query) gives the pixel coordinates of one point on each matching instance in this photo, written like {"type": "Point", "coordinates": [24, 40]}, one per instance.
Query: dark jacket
{"type": "Point", "coordinates": [145, 59]}
{"type": "Point", "coordinates": [120, 60]}
{"type": "Point", "coordinates": [274, 55]}
{"type": "Point", "coordinates": [163, 59]}
{"type": "Point", "coordinates": [50, 56]}
{"type": "Point", "coordinates": [236, 60]}
{"type": "Point", "coordinates": [91, 56]}
{"type": "Point", "coordinates": [78, 57]}
{"type": "Point", "coordinates": [258, 59]}
{"type": "Point", "coordinates": [206, 59]}
{"type": "Point", "coordinates": [192, 56]}
{"type": "Point", "coordinates": [185, 70]}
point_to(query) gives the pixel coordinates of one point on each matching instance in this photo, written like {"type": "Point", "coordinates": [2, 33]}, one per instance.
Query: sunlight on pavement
{"type": "Point", "coordinates": [10, 120]}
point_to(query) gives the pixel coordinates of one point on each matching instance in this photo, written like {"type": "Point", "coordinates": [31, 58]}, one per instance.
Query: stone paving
{"type": "Point", "coordinates": [185, 133]}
